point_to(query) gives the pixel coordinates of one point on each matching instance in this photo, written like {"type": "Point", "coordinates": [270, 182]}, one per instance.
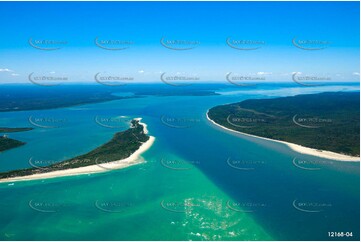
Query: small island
{"type": "Point", "coordinates": [7, 143]}
{"type": "Point", "coordinates": [325, 124]}
{"type": "Point", "coordinates": [121, 151]}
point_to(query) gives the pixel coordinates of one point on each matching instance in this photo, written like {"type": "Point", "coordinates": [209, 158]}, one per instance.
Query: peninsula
{"type": "Point", "coordinates": [7, 143]}
{"type": "Point", "coordinates": [123, 150]}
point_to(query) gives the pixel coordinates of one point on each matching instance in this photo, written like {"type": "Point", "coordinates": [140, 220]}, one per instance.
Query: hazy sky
{"type": "Point", "coordinates": [331, 28]}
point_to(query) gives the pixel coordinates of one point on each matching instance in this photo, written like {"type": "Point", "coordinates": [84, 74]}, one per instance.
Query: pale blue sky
{"type": "Point", "coordinates": [145, 23]}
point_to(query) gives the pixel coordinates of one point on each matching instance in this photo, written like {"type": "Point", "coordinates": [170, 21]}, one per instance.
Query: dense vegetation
{"type": "Point", "coordinates": [326, 121]}
{"type": "Point", "coordinates": [7, 143]}
{"type": "Point", "coordinates": [121, 146]}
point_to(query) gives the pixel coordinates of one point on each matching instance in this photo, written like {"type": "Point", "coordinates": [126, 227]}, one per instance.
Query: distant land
{"type": "Point", "coordinates": [121, 146]}
{"type": "Point", "coordinates": [7, 143]}
{"type": "Point", "coordinates": [31, 97]}
{"type": "Point", "coordinates": [20, 98]}
{"type": "Point", "coordinates": [13, 130]}
{"type": "Point", "coordinates": [327, 121]}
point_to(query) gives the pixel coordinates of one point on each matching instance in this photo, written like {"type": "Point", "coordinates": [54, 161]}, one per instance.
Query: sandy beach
{"type": "Point", "coordinates": [145, 126]}
{"type": "Point", "coordinates": [133, 159]}
{"type": "Point", "coordinates": [299, 148]}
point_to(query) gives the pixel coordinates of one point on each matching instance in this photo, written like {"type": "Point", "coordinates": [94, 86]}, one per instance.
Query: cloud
{"type": "Point", "coordinates": [15, 74]}
{"type": "Point", "coordinates": [356, 73]}
{"type": "Point", "coordinates": [5, 70]}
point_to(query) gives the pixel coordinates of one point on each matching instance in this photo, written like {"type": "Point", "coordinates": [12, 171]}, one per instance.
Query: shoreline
{"type": "Point", "coordinates": [298, 148]}
{"type": "Point", "coordinates": [133, 159]}
{"type": "Point", "coordinates": [145, 126]}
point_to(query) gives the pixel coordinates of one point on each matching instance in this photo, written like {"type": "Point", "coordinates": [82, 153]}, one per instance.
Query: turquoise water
{"type": "Point", "coordinates": [198, 182]}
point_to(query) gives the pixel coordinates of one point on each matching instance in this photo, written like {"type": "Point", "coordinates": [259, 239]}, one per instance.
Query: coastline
{"type": "Point", "coordinates": [133, 159]}
{"type": "Point", "coordinates": [145, 126]}
{"type": "Point", "coordinates": [298, 148]}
